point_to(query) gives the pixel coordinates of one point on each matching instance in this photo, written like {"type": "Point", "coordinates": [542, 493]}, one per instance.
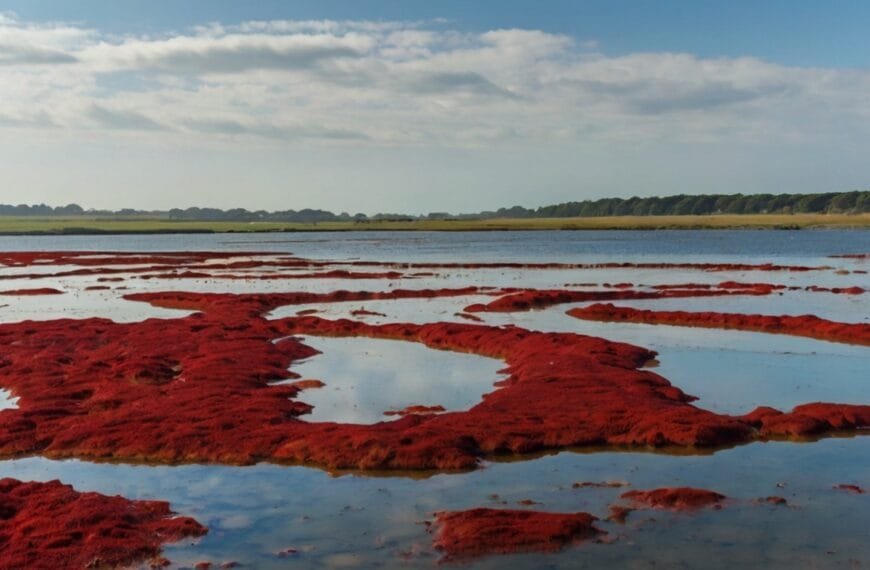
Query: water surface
{"type": "Point", "coordinates": [373, 520]}
{"type": "Point", "coordinates": [366, 377]}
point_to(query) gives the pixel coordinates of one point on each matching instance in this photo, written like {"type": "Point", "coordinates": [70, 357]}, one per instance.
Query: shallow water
{"type": "Point", "coordinates": [374, 520]}
{"type": "Point", "coordinates": [7, 400]}
{"type": "Point", "coordinates": [366, 377]}
{"type": "Point", "coordinates": [254, 512]}
{"type": "Point", "coordinates": [744, 380]}
{"type": "Point", "coordinates": [418, 311]}
{"type": "Point", "coordinates": [531, 246]}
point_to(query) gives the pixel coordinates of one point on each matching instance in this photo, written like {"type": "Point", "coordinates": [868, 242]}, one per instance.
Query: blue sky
{"type": "Point", "coordinates": [417, 106]}
{"type": "Point", "coordinates": [795, 32]}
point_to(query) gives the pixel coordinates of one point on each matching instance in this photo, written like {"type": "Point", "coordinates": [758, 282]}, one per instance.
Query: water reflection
{"type": "Point", "coordinates": [413, 310]}
{"type": "Point", "coordinates": [367, 377]}
{"type": "Point", "coordinates": [733, 382]}
{"type": "Point", "coordinates": [253, 512]}
{"type": "Point", "coordinates": [373, 522]}
{"type": "Point", "coordinates": [7, 400]}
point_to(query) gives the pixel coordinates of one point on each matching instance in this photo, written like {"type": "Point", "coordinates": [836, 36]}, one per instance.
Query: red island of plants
{"type": "Point", "coordinates": [804, 325]}
{"type": "Point", "coordinates": [478, 532]}
{"type": "Point", "coordinates": [51, 525]}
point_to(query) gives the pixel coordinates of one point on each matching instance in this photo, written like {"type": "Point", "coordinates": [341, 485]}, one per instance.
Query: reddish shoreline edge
{"type": "Point", "coordinates": [197, 263]}
{"type": "Point", "coordinates": [197, 389]}
{"type": "Point", "coordinates": [477, 532]}
{"type": "Point", "coordinates": [804, 325]}
{"type": "Point", "coordinates": [82, 530]}
{"type": "Point", "coordinates": [468, 534]}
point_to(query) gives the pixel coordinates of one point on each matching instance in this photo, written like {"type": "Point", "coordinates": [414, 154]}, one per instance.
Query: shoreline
{"type": "Point", "coordinates": [17, 226]}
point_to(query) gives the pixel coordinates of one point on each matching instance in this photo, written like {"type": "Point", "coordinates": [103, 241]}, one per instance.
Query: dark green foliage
{"type": "Point", "coordinates": [702, 204]}
{"type": "Point", "coordinates": [677, 205]}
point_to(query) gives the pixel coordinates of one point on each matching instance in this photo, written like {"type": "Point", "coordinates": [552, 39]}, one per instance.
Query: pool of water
{"type": "Point", "coordinates": [736, 382]}
{"type": "Point", "coordinates": [371, 522]}
{"type": "Point", "coordinates": [375, 520]}
{"type": "Point", "coordinates": [7, 400]}
{"type": "Point", "coordinates": [686, 245]}
{"type": "Point", "coordinates": [418, 311]}
{"type": "Point", "coordinates": [366, 377]}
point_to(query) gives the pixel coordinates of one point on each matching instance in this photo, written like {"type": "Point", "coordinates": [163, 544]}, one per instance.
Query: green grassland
{"type": "Point", "coordinates": [85, 225]}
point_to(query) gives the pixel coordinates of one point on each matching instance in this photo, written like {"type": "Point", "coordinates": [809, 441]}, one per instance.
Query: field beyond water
{"type": "Point", "coordinates": [380, 399]}
{"type": "Point", "coordinates": [87, 225]}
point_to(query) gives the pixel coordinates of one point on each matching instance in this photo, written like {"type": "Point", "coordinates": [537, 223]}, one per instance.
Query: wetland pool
{"type": "Point", "coordinates": [272, 515]}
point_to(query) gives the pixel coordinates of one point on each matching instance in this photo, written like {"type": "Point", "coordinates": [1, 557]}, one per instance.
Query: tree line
{"type": "Point", "coordinates": [704, 204]}
{"type": "Point", "coordinates": [677, 205]}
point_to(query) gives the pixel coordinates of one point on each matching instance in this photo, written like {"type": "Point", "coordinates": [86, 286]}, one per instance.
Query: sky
{"type": "Point", "coordinates": [412, 106]}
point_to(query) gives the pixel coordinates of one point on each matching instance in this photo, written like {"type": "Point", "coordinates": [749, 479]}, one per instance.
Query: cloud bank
{"type": "Point", "coordinates": [421, 84]}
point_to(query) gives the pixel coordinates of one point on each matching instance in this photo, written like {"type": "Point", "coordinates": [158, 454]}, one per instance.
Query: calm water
{"type": "Point", "coordinates": [485, 246]}
{"type": "Point", "coordinates": [366, 377]}
{"type": "Point", "coordinates": [361, 520]}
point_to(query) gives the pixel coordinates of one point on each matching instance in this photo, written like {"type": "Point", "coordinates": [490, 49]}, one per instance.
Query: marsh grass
{"type": "Point", "coordinates": [86, 225]}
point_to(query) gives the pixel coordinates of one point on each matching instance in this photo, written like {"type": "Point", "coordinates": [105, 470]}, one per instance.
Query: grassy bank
{"type": "Point", "coordinates": [85, 225]}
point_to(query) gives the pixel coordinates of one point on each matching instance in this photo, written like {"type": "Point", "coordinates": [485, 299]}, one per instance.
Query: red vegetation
{"type": "Point", "coordinates": [204, 265]}
{"type": "Point", "coordinates": [334, 274]}
{"type": "Point", "coordinates": [416, 410]}
{"type": "Point", "coordinates": [366, 313]}
{"type": "Point", "coordinates": [840, 290]}
{"type": "Point", "coordinates": [252, 306]}
{"type": "Point", "coordinates": [468, 317]}
{"type": "Point", "coordinates": [599, 485]}
{"type": "Point", "coordinates": [539, 299]}
{"type": "Point", "coordinates": [199, 389]}
{"type": "Point", "coordinates": [102, 258]}
{"type": "Point", "coordinates": [479, 532]}
{"type": "Point", "coordinates": [619, 513]}
{"type": "Point", "coordinates": [805, 325]}
{"type": "Point", "coordinates": [287, 552]}
{"type": "Point", "coordinates": [666, 287]}
{"type": "Point", "coordinates": [308, 384]}
{"type": "Point", "coordinates": [774, 500]}
{"type": "Point", "coordinates": [675, 498]}
{"type": "Point", "coordinates": [173, 265]}
{"type": "Point", "coordinates": [22, 292]}
{"type": "Point", "coordinates": [50, 525]}
{"type": "Point", "coordinates": [763, 288]}
{"type": "Point", "coordinates": [709, 267]}
{"type": "Point", "coordinates": [809, 419]}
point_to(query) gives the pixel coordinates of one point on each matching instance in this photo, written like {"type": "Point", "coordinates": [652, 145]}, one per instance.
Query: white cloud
{"type": "Point", "coordinates": [227, 53]}
{"type": "Point", "coordinates": [405, 83]}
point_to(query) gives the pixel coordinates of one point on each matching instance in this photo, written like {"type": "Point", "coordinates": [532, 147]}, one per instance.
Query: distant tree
{"type": "Point", "coordinates": [703, 205]}
{"type": "Point", "coordinates": [844, 202]}
{"type": "Point", "coordinates": [684, 206]}
{"type": "Point", "coordinates": [736, 205]}
{"type": "Point", "coordinates": [70, 210]}
{"type": "Point", "coordinates": [680, 204]}
{"type": "Point", "coordinates": [812, 203]}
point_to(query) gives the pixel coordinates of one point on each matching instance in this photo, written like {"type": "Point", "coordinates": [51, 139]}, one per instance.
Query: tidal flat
{"type": "Point", "coordinates": [383, 399]}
